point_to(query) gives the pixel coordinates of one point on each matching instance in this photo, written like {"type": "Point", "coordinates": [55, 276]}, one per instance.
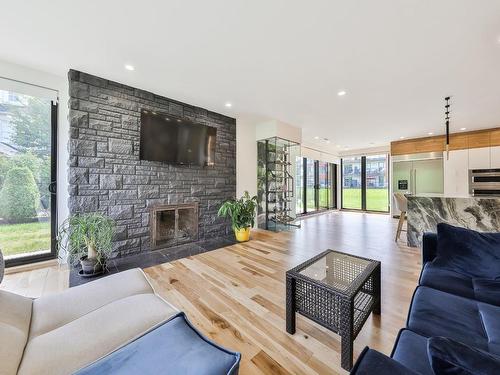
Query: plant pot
{"type": "Point", "coordinates": [242, 234]}
{"type": "Point", "coordinates": [90, 266]}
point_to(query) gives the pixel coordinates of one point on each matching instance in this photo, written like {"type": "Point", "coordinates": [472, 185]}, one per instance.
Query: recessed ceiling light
{"type": "Point", "coordinates": [327, 141]}
{"type": "Point", "coordinates": [402, 137]}
{"type": "Point", "coordinates": [316, 137]}
{"type": "Point", "coordinates": [129, 67]}
{"type": "Point", "coordinates": [430, 133]}
{"type": "Point", "coordinates": [463, 129]}
{"type": "Point", "coordinates": [228, 105]}
{"type": "Point", "coordinates": [341, 93]}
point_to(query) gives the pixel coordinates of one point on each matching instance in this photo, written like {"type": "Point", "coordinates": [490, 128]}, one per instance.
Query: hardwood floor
{"type": "Point", "coordinates": [236, 295]}
{"type": "Point", "coordinates": [37, 282]}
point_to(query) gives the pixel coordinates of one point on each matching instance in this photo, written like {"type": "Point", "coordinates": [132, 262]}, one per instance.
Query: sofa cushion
{"type": "Point", "coordinates": [451, 357]}
{"type": "Point", "coordinates": [175, 347]}
{"type": "Point", "coordinates": [437, 313]}
{"type": "Point", "coordinates": [446, 280]}
{"type": "Point", "coordinates": [469, 252]}
{"type": "Point", "coordinates": [410, 350]}
{"type": "Point", "coordinates": [372, 362]}
{"type": "Point", "coordinates": [79, 342]}
{"type": "Point", "coordinates": [484, 290]}
{"type": "Point", "coordinates": [53, 311]}
{"type": "Point", "coordinates": [15, 316]}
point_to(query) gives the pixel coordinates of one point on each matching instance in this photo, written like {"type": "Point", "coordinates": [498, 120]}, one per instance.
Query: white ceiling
{"type": "Point", "coordinates": [282, 59]}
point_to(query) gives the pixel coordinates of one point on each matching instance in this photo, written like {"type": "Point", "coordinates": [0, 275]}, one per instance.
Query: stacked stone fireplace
{"type": "Point", "coordinates": [173, 224]}
{"type": "Point", "coordinates": [155, 205]}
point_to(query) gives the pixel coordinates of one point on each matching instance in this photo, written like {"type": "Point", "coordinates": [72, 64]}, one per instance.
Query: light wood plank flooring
{"type": "Point", "coordinates": [236, 295]}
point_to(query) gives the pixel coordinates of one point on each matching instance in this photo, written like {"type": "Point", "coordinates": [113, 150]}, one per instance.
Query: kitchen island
{"type": "Point", "coordinates": [425, 212]}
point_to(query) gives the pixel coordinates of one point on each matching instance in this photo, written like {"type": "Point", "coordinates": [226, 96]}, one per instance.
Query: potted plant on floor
{"type": "Point", "coordinates": [242, 214]}
{"type": "Point", "coordinates": [87, 238]}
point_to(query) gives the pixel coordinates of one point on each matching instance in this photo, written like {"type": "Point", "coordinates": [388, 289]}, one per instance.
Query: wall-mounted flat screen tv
{"type": "Point", "coordinates": [178, 141]}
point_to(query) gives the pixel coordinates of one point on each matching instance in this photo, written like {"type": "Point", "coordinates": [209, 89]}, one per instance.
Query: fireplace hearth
{"type": "Point", "coordinates": [173, 224]}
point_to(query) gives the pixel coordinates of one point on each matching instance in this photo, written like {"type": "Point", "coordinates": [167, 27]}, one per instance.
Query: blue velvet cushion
{"type": "Point", "coordinates": [469, 252]}
{"type": "Point", "coordinates": [436, 313]}
{"type": "Point", "coordinates": [411, 351]}
{"type": "Point", "coordinates": [450, 357]}
{"type": "Point", "coordinates": [484, 290]}
{"type": "Point", "coordinates": [447, 280]}
{"type": "Point", "coordinates": [175, 347]}
{"type": "Point", "coordinates": [372, 362]}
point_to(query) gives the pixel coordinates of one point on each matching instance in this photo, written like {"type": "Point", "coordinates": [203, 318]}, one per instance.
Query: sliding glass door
{"type": "Point", "coordinates": [324, 185]}
{"type": "Point", "coordinates": [351, 183]}
{"type": "Point", "coordinates": [299, 185]}
{"type": "Point", "coordinates": [377, 188]}
{"type": "Point", "coordinates": [315, 185]}
{"type": "Point", "coordinates": [310, 185]}
{"type": "Point", "coordinates": [365, 183]}
{"type": "Point", "coordinates": [27, 176]}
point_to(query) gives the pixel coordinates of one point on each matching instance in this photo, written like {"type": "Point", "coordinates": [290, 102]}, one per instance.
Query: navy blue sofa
{"type": "Point", "coordinates": [453, 324]}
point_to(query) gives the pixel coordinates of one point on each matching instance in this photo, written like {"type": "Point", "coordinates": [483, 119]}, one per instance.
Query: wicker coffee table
{"type": "Point", "coordinates": [336, 290]}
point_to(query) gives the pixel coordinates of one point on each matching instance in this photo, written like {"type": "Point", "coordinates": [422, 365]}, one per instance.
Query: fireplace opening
{"type": "Point", "coordinates": [174, 224]}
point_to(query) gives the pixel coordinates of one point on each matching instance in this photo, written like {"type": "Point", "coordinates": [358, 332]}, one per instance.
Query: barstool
{"type": "Point", "coordinates": [402, 206]}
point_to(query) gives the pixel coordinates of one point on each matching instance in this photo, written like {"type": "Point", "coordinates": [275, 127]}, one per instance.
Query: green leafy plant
{"type": "Point", "coordinates": [19, 197]}
{"type": "Point", "coordinates": [241, 211]}
{"type": "Point", "coordinates": [86, 234]}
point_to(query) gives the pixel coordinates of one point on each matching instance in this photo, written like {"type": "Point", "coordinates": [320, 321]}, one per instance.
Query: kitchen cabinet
{"type": "Point", "coordinates": [495, 157]}
{"type": "Point", "coordinates": [479, 158]}
{"type": "Point", "coordinates": [456, 172]}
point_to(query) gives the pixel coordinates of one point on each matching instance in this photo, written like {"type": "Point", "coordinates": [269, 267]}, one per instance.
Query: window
{"type": "Point", "coordinates": [315, 185]}
{"type": "Point", "coordinates": [365, 183]}
{"type": "Point", "coordinates": [27, 177]}
{"type": "Point", "coordinates": [351, 183]}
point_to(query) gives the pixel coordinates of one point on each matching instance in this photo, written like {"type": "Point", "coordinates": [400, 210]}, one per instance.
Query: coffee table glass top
{"type": "Point", "coordinates": [336, 270]}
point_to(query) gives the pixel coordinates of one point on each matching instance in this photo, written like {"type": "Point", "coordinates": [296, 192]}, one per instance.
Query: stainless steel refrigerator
{"type": "Point", "coordinates": [417, 174]}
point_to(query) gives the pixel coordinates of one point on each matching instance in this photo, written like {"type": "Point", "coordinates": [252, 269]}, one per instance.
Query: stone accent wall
{"type": "Point", "coordinates": [106, 175]}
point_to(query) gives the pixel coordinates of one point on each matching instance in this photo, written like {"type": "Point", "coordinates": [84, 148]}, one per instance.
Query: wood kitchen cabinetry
{"type": "Point", "coordinates": [468, 150]}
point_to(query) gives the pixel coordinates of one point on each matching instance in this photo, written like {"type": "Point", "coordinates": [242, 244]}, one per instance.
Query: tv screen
{"type": "Point", "coordinates": [173, 140]}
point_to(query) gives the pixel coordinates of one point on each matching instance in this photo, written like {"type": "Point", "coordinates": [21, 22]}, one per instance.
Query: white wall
{"type": "Point", "coordinates": [59, 83]}
{"type": "Point", "coordinates": [246, 156]}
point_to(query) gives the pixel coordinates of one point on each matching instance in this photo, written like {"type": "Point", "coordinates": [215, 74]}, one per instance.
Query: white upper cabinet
{"type": "Point", "coordinates": [456, 172]}
{"type": "Point", "coordinates": [479, 158]}
{"type": "Point", "coordinates": [495, 157]}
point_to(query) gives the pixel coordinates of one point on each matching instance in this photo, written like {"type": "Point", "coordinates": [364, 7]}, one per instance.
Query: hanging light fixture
{"type": "Point", "coordinates": [447, 120]}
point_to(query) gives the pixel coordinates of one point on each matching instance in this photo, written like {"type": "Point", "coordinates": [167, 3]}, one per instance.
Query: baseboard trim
{"type": "Point", "coordinates": [31, 266]}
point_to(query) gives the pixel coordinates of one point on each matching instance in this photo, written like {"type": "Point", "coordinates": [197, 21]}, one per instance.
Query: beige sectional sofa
{"type": "Point", "coordinates": [61, 333]}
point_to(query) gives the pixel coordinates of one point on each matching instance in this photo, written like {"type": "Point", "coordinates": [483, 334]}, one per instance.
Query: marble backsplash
{"type": "Point", "coordinates": [424, 213]}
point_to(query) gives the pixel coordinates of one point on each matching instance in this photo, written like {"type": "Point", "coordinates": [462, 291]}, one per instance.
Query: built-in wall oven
{"type": "Point", "coordinates": [484, 182]}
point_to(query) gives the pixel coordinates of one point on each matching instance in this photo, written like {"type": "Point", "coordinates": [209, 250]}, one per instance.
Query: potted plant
{"type": "Point", "coordinates": [87, 238]}
{"type": "Point", "coordinates": [242, 214]}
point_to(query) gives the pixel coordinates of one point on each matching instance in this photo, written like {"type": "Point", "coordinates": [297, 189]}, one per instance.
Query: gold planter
{"type": "Point", "coordinates": [242, 234]}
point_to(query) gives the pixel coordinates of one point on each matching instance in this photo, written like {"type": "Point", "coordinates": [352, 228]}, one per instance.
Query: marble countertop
{"type": "Point", "coordinates": [425, 212]}
{"type": "Point", "coordinates": [410, 196]}
{"type": "Point", "coordinates": [426, 195]}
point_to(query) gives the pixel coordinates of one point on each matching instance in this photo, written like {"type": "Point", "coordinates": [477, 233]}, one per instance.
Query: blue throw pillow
{"type": "Point", "coordinates": [449, 357]}
{"type": "Point", "coordinates": [468, 252]}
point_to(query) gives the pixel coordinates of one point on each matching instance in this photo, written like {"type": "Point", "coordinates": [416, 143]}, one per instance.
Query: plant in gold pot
{"type": "Point", "coordinates": [242, 215]}
{"type": "Point", "coordinates": [87, 238]}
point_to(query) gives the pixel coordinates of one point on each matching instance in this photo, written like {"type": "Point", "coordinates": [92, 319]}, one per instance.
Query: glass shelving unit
{"type": "Point", "coordinates": [276, 187]}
